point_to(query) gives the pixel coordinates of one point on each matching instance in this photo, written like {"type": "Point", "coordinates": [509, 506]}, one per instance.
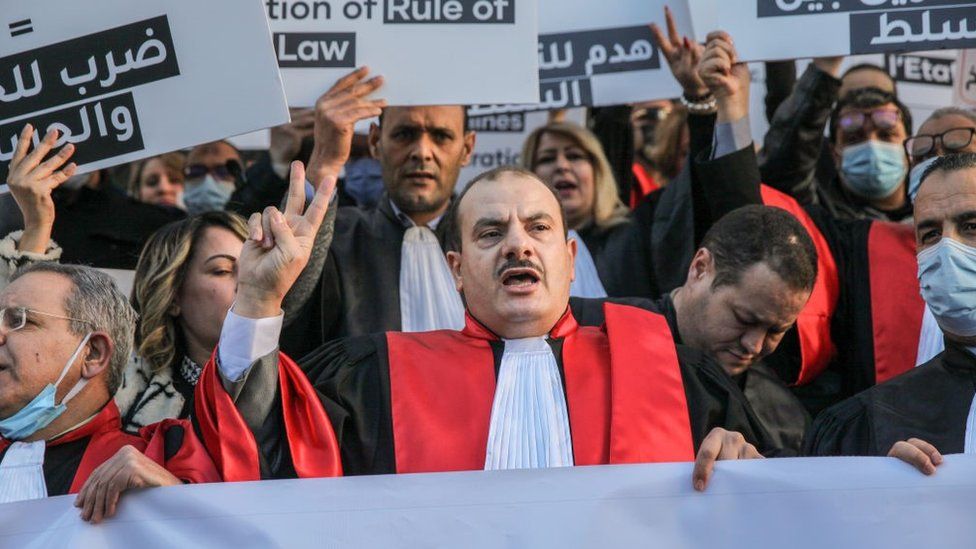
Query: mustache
{"type": "Point", "coordinates": [519, 264]}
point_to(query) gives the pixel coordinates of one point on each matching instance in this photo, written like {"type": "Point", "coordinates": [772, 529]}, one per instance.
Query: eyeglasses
{"type": "Point", "coordinates": [225, 172]}
{"type": "Point", "coordinates": [952, 140]}
{"type": "Point", "coordinates": [15, 318]}
{"type": "Point", "coordinates": [881, 119]}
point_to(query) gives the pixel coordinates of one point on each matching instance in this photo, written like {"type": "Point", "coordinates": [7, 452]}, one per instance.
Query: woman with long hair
{"type": "Point", "coordinates": [570, 159]}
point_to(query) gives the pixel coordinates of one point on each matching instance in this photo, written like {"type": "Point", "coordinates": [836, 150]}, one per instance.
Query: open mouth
{"type": "Point", "coordinates": [520, 278]}
{"type": "Point", "coordinates": [563, 185]}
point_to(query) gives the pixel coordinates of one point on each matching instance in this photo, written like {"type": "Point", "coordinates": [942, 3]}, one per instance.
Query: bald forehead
{"type": "Point", "coordinates": [944, 195]}
{"type": "Point", "coordinates": [510, 192]}
{"type": "Point", "coordinates": [43, 291]}
{"type": "Point", "coordinates": [435, 116]}
{"type": "Point", "coordinates": [941, 124]}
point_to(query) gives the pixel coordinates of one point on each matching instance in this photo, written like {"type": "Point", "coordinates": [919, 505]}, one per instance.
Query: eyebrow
{"type": "Point", "coordinates": [221, 256]}
{"type": "Point", "coordinates": [486, 222]}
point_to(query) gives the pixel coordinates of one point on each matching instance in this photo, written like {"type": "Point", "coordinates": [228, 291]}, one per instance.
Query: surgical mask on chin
{"type": "Point", "coordinates": [209, 195]}
{"type": "Point", "coordinates": [40, 412]}
{"type": "Point", "coordinates": [915, 177]}
{"type": "Point", "coordinates": [873, 169]}
{"type": "Point", "coordinates": [947, 279]}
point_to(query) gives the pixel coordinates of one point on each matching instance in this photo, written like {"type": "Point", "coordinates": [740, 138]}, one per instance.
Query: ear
{"type": "Point", "coordinates": [98, 356]}
{"type": "Point", "coordinates": [702, 268]}
{"type": "Point", "coordinates": [572, 247]}
{"type": "Point", "coordinates": [470, 138]}
{"type": "Point", "coordinates": [454, 263]}
{"type": "Point", "coordinates": [374, 140]}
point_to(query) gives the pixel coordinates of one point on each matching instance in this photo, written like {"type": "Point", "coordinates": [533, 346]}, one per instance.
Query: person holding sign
{"type": "Point", "coordinates": [522, 385]}
{"type": "Point", "coordinates": [866, 318]}
{"type": "Point", "coordinates": [930, 409]}
{"type": "Point", "coordinates": [385, 267]}
{"type": "Point", "coordinates": [797, 160]}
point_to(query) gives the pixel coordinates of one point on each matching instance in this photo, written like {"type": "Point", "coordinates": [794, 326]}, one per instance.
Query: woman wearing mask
{"type": "Point", "coordinates": [571, 161]}
{"type": "Point", "coordinates": [159, 180]}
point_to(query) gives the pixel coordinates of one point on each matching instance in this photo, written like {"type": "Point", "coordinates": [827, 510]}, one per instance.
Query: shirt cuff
{"type": "Point", "coordinates": [244, 340]}
{"type": "Point", "coordinates": [731, 137]}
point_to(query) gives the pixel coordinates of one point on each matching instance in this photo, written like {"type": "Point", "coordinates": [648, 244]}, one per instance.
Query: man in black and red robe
{"type": "Point", "coordinates": [522, 385]}
{"type": "Point", "coordinates": [65, 335]}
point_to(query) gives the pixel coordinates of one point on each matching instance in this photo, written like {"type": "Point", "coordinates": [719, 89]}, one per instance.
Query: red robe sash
{"type": "Point", "coordinates": [624, 393]}
{"type": "Point", "coordinates": [813, 324]}
{"type": "Point", "coordinates": [312, 442]}
{"type": "Point", "coordinates": [644, 184]}
{"type": "Point", "coordinates": [191, 463]}
{"type": "Point", "coordinates": [896, 303]}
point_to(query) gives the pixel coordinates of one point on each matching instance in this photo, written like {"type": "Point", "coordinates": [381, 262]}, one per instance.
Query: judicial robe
{"type": "Point", "coordinates": [421, 402]}
{"type": "Point", "coordinates": [71, 458]}
{"type": "Point", "coordinates": [876, 322]}
{"type": "Point", "coordinates": [781, 414]}
{"type": "Point", "coordinates": [931, 402]}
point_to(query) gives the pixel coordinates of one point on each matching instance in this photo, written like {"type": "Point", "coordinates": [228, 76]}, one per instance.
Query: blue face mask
{"type": "Point", "coordinates": [208, 196]}
{"type": "Point", "coordinates": [40, 412]}
{"type": "Point", "coordinates": [873, 169]}
{"type": "Point", "coordinates": [915, 177]}
{"type": "Point", "coordinates": [947, 278]}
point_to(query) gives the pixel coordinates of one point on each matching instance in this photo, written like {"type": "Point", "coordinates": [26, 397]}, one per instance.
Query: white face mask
{"type": "Point", "coordinates": [947, 279]}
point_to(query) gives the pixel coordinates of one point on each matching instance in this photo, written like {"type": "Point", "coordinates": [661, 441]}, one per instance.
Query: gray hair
{"type": "Point", "coordinates": [98, 302]}
{"type": "Point", "coordinates": [949, 163]}
{"type": "Point", "coordinates": [950, 111]}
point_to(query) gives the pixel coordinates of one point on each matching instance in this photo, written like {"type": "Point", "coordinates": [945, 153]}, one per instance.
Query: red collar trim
{"type": "Point", "coordinates": [474, 328]}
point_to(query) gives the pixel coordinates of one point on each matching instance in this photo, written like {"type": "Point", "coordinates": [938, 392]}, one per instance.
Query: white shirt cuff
{"type": "Point", "coordinates": [245, 340]}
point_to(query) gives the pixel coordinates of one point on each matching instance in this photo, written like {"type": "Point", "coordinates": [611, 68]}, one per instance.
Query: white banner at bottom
{"type": "Point", "coordinates": [819, 503]}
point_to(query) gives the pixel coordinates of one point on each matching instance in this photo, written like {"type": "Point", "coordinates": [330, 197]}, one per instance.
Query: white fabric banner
{"type": "Point", "coordinates": [816, 503]}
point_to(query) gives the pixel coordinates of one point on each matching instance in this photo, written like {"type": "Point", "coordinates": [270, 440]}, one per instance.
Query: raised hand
{"type": "Point", "coordinates": [278, 247]}
{"type": "Point", "coordinates": [286, 139]}
{"type": "Point", "coordinates": [719, 445]}
{"type": "Point", "coordinates": [683, 55]}
{"type": "Point", "coordinates": [726, 77]}
{"type": "Point", "coordinates": [126, 470]}
{"type": "Point", "coordinates": [917, 453]}
{"type": "Point", "coordinates": [31, 180]}
{"type": "Point", "coordinates": [336, 114]}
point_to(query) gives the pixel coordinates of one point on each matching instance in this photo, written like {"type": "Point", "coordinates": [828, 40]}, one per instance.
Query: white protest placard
{"type": "Point", "coordinates": [810, 503]}
{"type": "Point", "coordinates": [125, 80]}
{"type": "Point", "coordinates": [430, 52]}
{"type": "Point", "coordinates": [792, 29]}
{"type": "Point", "coordinates": [965, 85]}
{"type": "Point", "coordinates": [501, 132]}
{"type": "Point", "coordinates": [603, 53]}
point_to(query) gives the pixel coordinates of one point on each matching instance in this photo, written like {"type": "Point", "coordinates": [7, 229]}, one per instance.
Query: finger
{"type": "Point", "coordinates": [96, 504]}
{"type": "Point", "coordinates": [295, 203]}
{"type": "Point", "coordinates": [666, 48]}
{"type": "Point", "coordinates": [40, 151]}
{"type": "Point", "coordinates": [912, 456]}
{"type": "Point", "coordinates": [362, 113]}
{"type": "Point", "coordinates": [719, 35]}
{"type": "Point", "coordinates": [320, 203]}
{"type": "Point", "coordinates": [118, 484]}
{"type": "Point", "coordinates": [267, 242]}
{"type": "Point", "coordinates": [672, 27]}
{"type": "Point", "coordinates": [365, 88]}
{"type": "Point", "coordinates": [748, 451]}
{"type": "Point", "coordinates": [59, 177]}
{"type": "Point", "coordinates": [726, 47]}
{"type": "Point", "coordinates": [929, 449]}
{"type": "Point", "coordinates": [23, 144]}
{"type": "Point", "coordinates": [48, 166]}
{"type": "Point", "coordinates": [284, 237]}
{"type": "Point", "coordinates": [255, 231]}
{"type": "Point", "coordinates": [347, 81]}
{"type": "Point", "coordinates": [705, 460]}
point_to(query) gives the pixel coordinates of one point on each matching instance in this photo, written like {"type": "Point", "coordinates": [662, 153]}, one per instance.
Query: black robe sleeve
{"type": "Point", "coordinates": [351, 377]}
{"type": "Point", "coordinates": [842, 430]}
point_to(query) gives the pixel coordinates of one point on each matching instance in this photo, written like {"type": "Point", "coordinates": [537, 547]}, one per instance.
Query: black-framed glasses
{"type": "Point", "coordinates": [223, 172]}
{"type": "Point", "coordinates": [15, 318]}
{"type": "Point", "coordinates": [856, 121]}
{"type": "Point", "coordinates": [919, 147]}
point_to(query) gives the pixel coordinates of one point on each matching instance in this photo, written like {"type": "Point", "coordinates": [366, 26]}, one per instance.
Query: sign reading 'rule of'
{"type": "Point", "coordinates": [428, 51]}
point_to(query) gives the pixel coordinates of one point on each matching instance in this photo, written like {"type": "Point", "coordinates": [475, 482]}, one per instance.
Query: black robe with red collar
{"type": "Point", "coordinates": [422, 402]}
{"type": "Point", "coordinates": [71, 458]}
